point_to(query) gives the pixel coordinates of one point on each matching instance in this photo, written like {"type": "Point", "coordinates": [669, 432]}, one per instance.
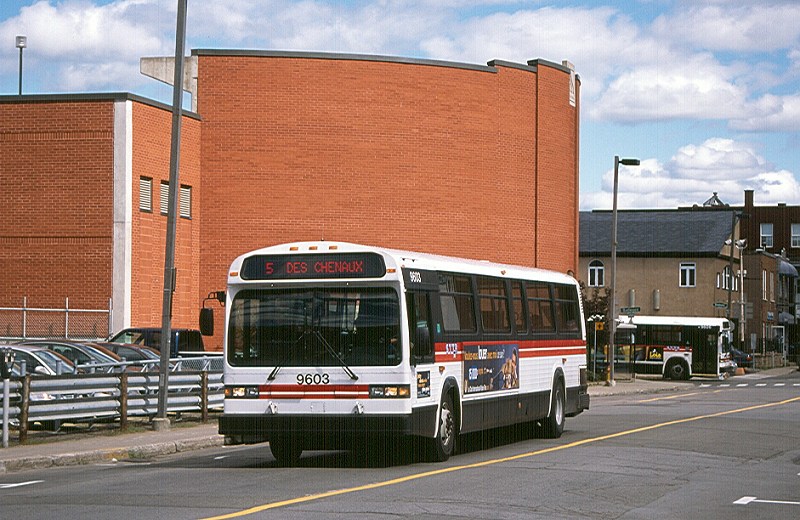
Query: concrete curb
{"type": "Point", "coordinates": [142, 452]}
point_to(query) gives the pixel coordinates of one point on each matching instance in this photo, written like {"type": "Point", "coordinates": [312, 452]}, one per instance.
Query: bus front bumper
{"type": "Point", "coordinates": [322, 430]}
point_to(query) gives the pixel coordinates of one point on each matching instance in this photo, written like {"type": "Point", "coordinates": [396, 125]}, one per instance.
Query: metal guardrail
{"type": "Point", "coordinates": [106, 397]}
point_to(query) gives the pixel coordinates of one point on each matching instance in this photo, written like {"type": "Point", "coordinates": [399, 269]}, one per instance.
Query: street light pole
{"type": "Point", "coordinates": [740, 245]}
{"type": "Point", "coordinates": [162, 422]}
{"type": "Point", "coordinates": [613, 302]}
{"type": "Point", "coordinates": [22, 42]}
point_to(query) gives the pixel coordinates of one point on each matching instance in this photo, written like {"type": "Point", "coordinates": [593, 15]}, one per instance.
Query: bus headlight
{"type": "Point", "coordinates": [389, 391]}
{"type": "Point", "coordinates": [241, 392]}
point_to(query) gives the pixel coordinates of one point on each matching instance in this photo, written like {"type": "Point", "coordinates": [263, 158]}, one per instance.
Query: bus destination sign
{"type": "Point", "coordinates": [308, 266]}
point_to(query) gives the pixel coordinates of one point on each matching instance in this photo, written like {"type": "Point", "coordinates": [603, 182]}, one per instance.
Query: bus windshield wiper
{"type": "Point", "coordinates": [278, 367]}
{"type": "Point", "coordinates": [284, 359]}
{"type": "Point", "coordinates": [335, 355]}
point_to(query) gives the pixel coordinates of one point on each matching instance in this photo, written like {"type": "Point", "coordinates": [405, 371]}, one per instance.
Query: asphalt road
{"type": "Point", "coordinates": [711, 450]}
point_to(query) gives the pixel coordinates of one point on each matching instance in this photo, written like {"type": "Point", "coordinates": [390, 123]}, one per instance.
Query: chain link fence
{"type": "Point", "coordinates": [26, 322]}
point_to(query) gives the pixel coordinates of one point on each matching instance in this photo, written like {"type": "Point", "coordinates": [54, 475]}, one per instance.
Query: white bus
{"type": "Point", "coordinates": [678, 347]}
{"type": "Point", "coordinates": [332, 345]}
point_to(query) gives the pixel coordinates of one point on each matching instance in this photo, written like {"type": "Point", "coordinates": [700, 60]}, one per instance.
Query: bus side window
{"type": "Point", "coordinates": [419, 325]}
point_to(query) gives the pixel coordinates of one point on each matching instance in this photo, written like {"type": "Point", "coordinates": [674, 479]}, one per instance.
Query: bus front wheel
{"type": "Point", "coordinates": [286, 450]}
{"type": "Point", "coordinates": [443, 444]}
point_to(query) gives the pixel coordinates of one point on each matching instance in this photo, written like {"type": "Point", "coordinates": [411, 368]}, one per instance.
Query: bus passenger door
{"type": "Point", "coordinates": [705, 355]}
{"type": "Point", "coordinates": [419, 322]}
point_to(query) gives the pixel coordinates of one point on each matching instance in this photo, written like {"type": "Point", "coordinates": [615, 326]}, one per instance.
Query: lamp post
{"type": "Point", "coordinates": [161, 422]}
{"type": "Point", "coordinates": [22, 42]}
{"type": "Point", "coordinates": [740, 245]}
{"type": "Point", "coordinates": [613, 303]}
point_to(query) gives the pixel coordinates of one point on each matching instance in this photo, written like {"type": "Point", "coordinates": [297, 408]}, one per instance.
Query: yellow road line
{"type": "Point", "coordinates": [668, 397]}
{"type": "Point", "coordinates": [426, 474]}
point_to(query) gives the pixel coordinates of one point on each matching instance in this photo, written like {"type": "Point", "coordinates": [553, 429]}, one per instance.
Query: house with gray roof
{"type": "Point", "coordinates": [669, 262]}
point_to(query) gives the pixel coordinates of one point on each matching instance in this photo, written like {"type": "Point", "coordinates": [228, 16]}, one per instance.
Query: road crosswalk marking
{"type": "Point", "coordinates": [745, 385]}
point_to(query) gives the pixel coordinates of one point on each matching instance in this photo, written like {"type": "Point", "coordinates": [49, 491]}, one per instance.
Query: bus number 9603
{"type": "Point", "coordinates": [313, 379]}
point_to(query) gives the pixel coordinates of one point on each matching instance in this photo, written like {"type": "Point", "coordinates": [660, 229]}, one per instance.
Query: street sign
{"type": "Point", "coordinates": [599, 325]}
{"type": "Point", "coordinates": [630, 311]}
{"type": "Point", "coordinates": [720, 305]}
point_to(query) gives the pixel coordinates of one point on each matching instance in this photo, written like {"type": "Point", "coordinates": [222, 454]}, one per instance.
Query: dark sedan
{"type": "Point", "coordinates": [742, 359]}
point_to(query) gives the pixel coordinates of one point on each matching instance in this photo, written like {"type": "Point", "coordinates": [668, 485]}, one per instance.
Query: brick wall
{"type": "Point", "coordinates": [465, 161]}
{"type": "Point", "coordinates": [56, 173]}
{"type": "Point", "coordinates": [152, 129]}
{"type": "Point", "coordinates": [415, 156]}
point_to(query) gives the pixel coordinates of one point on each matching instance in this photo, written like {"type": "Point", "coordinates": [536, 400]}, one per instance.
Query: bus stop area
{"type": "Point", "coordinates": [110, 446]}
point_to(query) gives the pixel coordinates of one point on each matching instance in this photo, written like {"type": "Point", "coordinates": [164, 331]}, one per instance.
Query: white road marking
{"type": "Point", "coordinates": [749, 500]}
{"type": "Point", "coordinates": [19, 484]}
{"type": "Point", "coordinates": [761, 384]}
{"type": "Point", "coordinates": [221, 457]}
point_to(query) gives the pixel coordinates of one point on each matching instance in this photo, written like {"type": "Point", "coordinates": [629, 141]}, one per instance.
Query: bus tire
{"type": "Point", "coordinates": [443, 444]}
{"type": "Point", "coordinates": [553, 424]}
{"type": "Point", "coordinates": [677, 370]}
{"type": "Point", "coordinates": [286, 450]}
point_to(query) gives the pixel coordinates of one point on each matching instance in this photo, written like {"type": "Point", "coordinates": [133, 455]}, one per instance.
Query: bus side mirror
{"type": "Point", "coordinates": [207, 321]}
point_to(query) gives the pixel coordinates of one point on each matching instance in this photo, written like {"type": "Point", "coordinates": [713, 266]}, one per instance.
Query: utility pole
{"type": "Point", "coordinates": [161, 422]}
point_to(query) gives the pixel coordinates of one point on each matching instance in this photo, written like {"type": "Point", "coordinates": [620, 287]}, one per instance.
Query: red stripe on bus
{"type": "Point", "coordinates": [313, 391]}
{"type": "Point", "coordinates": [528, 348]}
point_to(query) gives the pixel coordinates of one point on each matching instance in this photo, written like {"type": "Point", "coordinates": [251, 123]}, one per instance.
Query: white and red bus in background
{"type": "Point", "coordinates": [678, 347]}
{"type": "Point", "coordinates": [332, 345]}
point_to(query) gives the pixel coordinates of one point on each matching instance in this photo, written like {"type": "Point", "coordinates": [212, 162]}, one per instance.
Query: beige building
{"type": "Point", "coordinates": [669, 262]}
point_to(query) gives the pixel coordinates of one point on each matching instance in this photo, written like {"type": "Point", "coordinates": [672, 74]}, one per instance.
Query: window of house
{"type": "Point", "coordinates": [764, 285]}
{"type": "Point", "coordinates": [186, 201]}
{"type": "Point", "coordinates": [766, 235]}
{"type": "Point", "coordinates": [771, 286]}
{"type": "Point", "coordinates": [145, 194]}
{"type": "Point", "coordinates": [596, 273]}
{"type": "Point", "coordinates": [724, 279]}
{"type": "Point", "coordinates": [795, 235]}
{"type": "Point", "coordinates": [688, 274]}
{"type": "Point", "coordinates": [164, 197]}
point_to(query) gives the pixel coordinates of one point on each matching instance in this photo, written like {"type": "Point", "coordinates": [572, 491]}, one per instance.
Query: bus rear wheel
{"type": "Point", "coordinates": [677, 370]}
{"type": "Point", "coordinates": [286, 450]}
{"type": "Point", "coordinates": [443, 444]}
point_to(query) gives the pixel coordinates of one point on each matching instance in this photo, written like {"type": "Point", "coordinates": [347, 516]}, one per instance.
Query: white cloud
{"type": "Point", "coordinates": [698, 87]}
{"type": "Point", "coordinates": [102, 43]}
{"type": "Point", "coordinates": [80, 30]}
{"type": "Point", "coordinates": [780, 114]}
{"type": "Point", "coordinates": [717, 160]}
{"type": "Point", "coordinates": [741, 27]}
{"type": "Point", "coordinates": [723, 166]}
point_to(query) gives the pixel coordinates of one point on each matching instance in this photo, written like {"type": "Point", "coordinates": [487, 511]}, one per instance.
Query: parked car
{"type": "Point", "coordinates": [742, 359]}
{"type": "Point", "coordinates": [38, 361]}
{"type": "Point", "coordinates": [131, 352]}
{"type": "Point", "coordinates": [81, 354]}
{"type": "Point", "coordinates": [184, 342]}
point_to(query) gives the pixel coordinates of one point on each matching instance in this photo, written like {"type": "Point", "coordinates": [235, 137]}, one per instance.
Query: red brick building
{"type": "Point", "coordinates": [450, 158]}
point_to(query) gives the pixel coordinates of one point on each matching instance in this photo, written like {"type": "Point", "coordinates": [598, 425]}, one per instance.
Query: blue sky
{"type": "Point", "coordinates": [703, 92]}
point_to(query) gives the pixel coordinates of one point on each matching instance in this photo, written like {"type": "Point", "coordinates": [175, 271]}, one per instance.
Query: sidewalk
{"type": "Point", "coordinates": [110, 445]}
{"type": "Point", "coordinates": [90, 447]}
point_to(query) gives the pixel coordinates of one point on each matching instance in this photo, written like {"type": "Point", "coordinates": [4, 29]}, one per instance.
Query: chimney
{"type": "Point", "coordinates": [748, 200]}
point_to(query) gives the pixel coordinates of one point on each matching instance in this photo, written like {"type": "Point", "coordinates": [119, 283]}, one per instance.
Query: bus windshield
{"type": "Point", "coordinates": [309, 327]}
